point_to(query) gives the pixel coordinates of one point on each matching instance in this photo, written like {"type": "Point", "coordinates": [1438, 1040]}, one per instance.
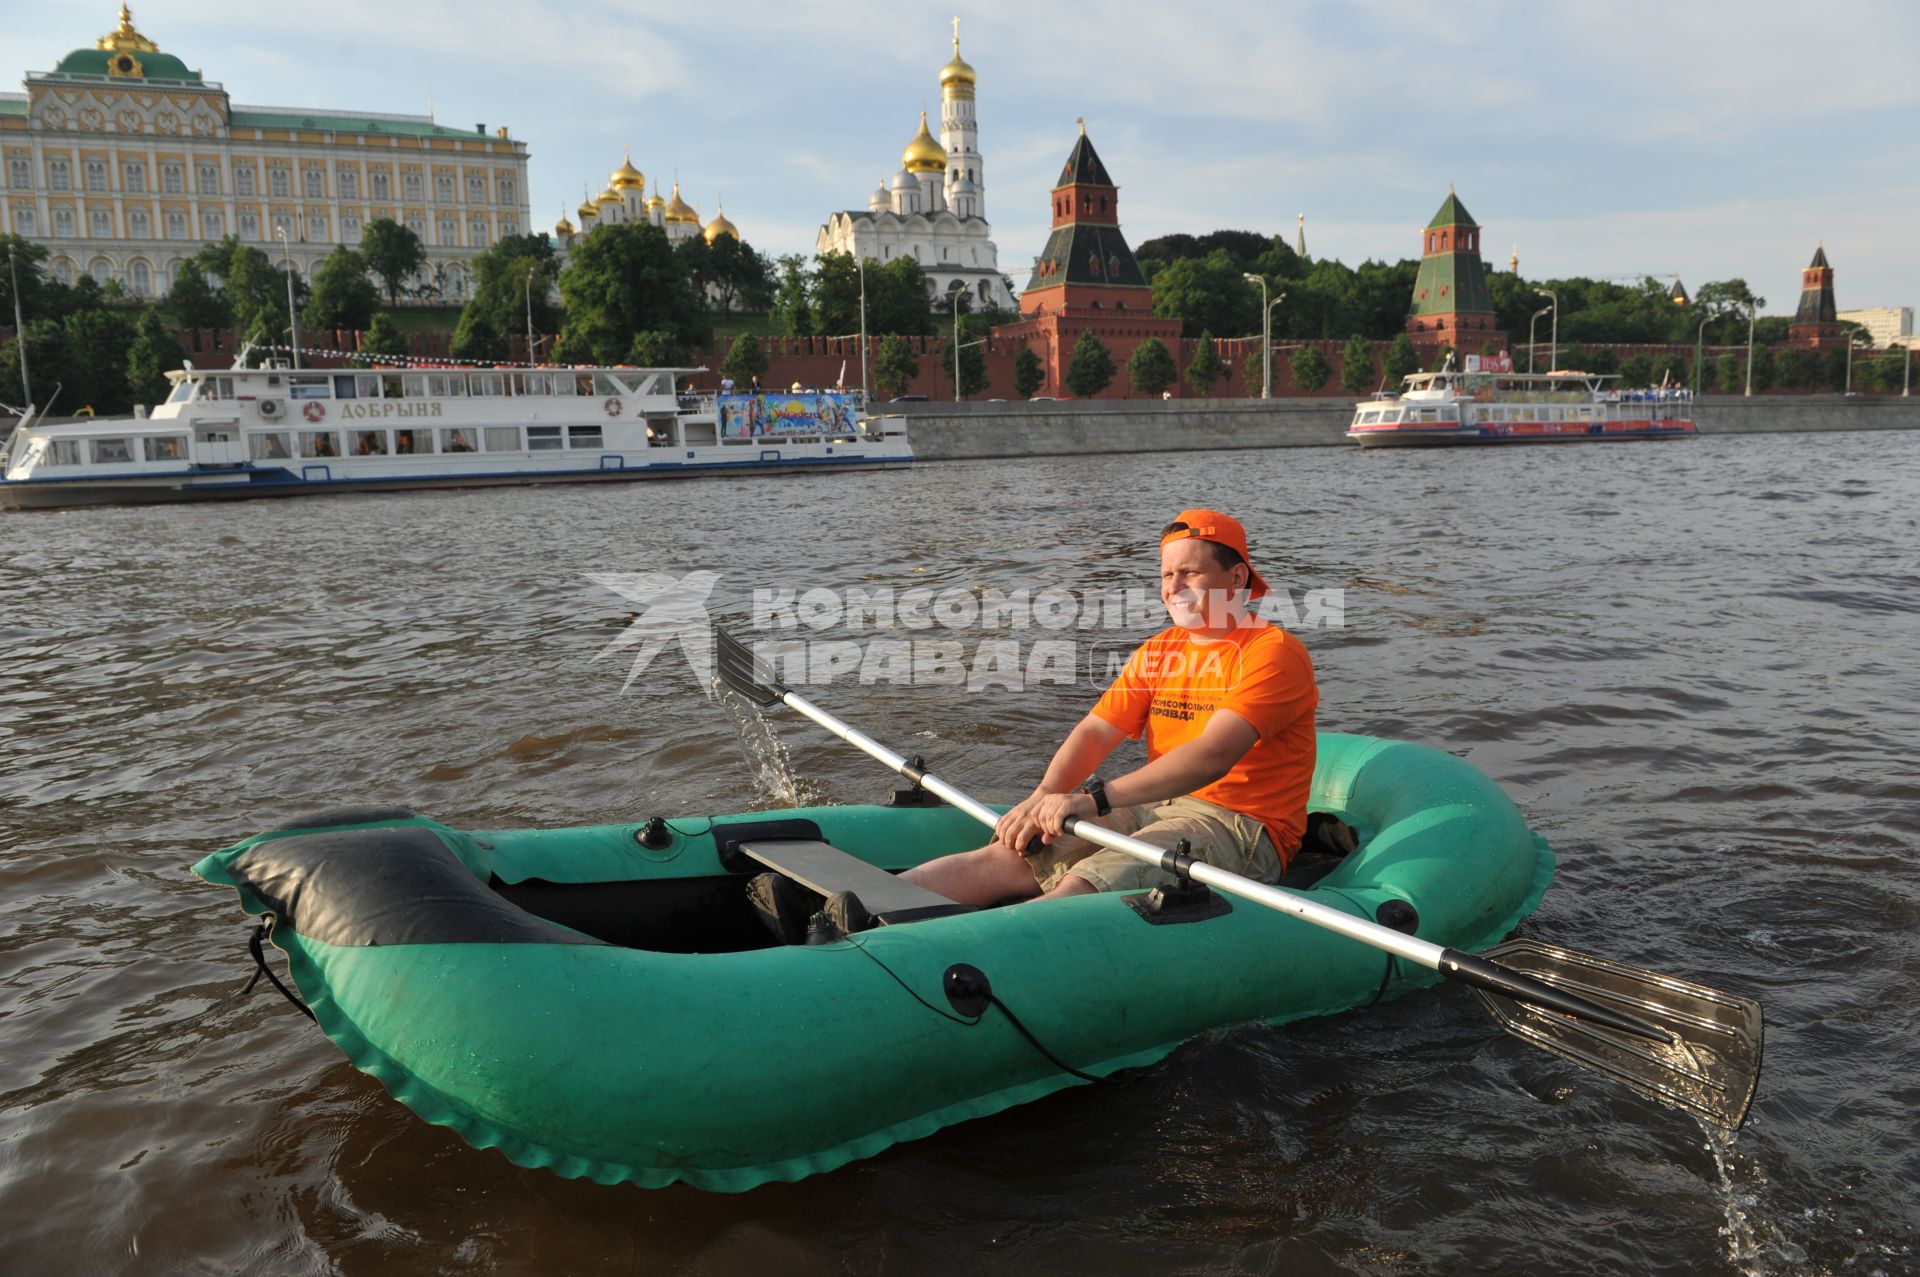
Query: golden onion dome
{"type": "Point", "coordinates": [655, 200]}
{"type": "Point", "coordinates": [563, 227]}
{"type": "Point", "coordinates": [678, 210]}
{"type": "Point", "coordinates": [957, 71]}
{"type": "Point", "coordinates": [720, 226]}
{"type": "Point", "coordinates": [605, 198]}
{"type": "Point", "coordinates": [626, 177]}
{"type": "Point", "coordinates": [923, 154]}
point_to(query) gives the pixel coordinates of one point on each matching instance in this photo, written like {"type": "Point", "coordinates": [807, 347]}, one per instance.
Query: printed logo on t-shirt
{"type": "Point", "coordinates": [1181, 708]}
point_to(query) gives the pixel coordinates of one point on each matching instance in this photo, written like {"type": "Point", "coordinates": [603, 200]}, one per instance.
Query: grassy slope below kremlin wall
{"type": "Point", "coordinates": [952, 432]}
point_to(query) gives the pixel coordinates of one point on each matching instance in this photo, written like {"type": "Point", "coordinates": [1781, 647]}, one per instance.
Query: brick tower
{"type": "Point", "coordinates": [1451, 304]}
{"type": "Point", "coordinates": [1816, 324]}
{"type": "Point", "coordinates": [1086, 279]}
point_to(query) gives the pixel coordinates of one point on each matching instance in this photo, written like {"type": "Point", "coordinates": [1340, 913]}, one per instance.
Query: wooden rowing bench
{"type": "Point", "coordinates": [824, 868]}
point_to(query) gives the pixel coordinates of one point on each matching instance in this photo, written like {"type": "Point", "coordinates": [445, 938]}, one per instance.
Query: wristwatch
{"type": "Point", "coordinates": [1096, 789]}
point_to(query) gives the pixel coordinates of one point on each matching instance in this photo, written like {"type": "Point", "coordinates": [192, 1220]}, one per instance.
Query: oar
{"type": "Point", "coordinates": [1672, 1040]}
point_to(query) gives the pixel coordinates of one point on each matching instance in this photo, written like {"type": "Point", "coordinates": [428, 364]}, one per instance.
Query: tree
{"type": "Point", "coordinates": [477, 339]}
{"type": "Point", "coordinates": [792, 312]}
{"type": "Point", "coordinates": [894, 367]}
{"type": "Point", "coordinates": [656, 348]}
{"type": "Point", "coordinates": [745, 361]}
{"type": "Point", "coordinates": [393, 253]}
{"type": "Point", "coordinates": [97, 341]}
{"type": "Point", "coordinates": [1029, 374]}
{"type": "Point", "coordinates": [1441, 357]}
{"type": "Point", "coordinates": [737, 277]}
{"type": "Point", "coordinates": [154, 353]}
{"type": "Point", "coordinates": [1401, 359]}
{"type": "Point", "coordinates": [343, 296]}
{"type": "Point", "coordinates": [511, 279]}
{"type": "Point", "coordinates": [897, 299]}
{"type": "Point", "coordinates": [1091, 369]}
{"type": "Point", "coordinates": [622, 280]}
{"type": "Point", "coordinates": [1730, 372]}
{"type": "Point", "coordinates": [1635, 370]}
{"type": "Point", "coordinates": [35, 284]}
{"type": "Point", "coordinates": [193, 303]}
{"type": "Point", "coordinates": [835, 298]}
{"type": "Point", "coordinates": [973, 366]}
{"type": "Point", "coordinates": [1356, 366]}
{"type": "Point", "coordinates": [1207, 295]}
{"type": "Point", "coordinates": [1798, 369]}
{"type": "Point", "coordinates": [1205, 368]}
{"type": "Point", "coordinates": [382, 337]}
{"type": "Point", "coordinates": [50, 359]}
{"type": "Point", "coordinates": [1309, 368]}
{"type": "Point", "coordinates": [1150, 368]}
{"type": "Point", "coordinates": [1670, 370]}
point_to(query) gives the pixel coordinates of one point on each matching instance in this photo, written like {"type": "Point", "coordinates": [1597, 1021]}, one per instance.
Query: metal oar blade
{"type": "Point", "coordinates": [1710, 1063]}
{"type": "Point", "coordinates": [741, 671]}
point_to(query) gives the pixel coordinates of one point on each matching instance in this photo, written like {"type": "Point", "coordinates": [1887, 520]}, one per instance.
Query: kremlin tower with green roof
{"type": "Point", "coordinates": [1452, 305]}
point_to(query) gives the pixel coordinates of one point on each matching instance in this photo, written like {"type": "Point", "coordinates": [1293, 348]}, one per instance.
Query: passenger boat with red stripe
{"type": "Point", "coordinates": [1486, 403]}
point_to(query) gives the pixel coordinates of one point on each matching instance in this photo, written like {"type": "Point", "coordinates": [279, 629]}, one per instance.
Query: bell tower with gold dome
{"type": "Point", "coordinates": [966, 188]}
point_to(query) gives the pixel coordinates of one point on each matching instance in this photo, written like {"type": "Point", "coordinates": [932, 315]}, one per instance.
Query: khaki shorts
{"type": "Point", "coordinates": [1223, 838]}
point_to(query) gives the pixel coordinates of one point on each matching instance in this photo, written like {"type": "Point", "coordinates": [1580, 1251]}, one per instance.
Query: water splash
{"type": "Point", "coordinates": [766, 758]}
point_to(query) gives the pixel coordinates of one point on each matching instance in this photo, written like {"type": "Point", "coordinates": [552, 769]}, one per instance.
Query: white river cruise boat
{"type": "Point", "coordinates": [1487, 405]}
{"type": "Point", "coordinates": [277, 431]}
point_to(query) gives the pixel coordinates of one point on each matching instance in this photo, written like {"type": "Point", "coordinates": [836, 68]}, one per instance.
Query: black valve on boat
{"type": "Point", "coordinates": [1399, 915]}
{"type": "Point", "coordinates": [967, 989]}
{"type": "Point", "coordinates": [654, 835]}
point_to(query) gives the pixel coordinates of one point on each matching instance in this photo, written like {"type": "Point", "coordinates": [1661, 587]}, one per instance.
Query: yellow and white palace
{"type": "Point", "coordinates": [123, 163]}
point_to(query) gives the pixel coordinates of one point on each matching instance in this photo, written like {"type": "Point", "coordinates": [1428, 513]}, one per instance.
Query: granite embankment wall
{"type": "Point", "coordinates": [965, 431]}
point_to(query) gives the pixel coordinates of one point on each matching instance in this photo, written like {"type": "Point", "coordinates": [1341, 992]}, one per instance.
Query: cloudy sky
{"type": "Point", "coordinates": [1707, 139]}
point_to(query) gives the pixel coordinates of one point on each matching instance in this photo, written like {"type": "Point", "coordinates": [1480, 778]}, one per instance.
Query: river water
{"type": "Point", "coordinates": [1690, 663]}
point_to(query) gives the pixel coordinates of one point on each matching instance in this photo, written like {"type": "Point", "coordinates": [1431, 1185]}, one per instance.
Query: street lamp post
{"type": "Point", "coordinates": [1750, 311]}
{"type": "Point", "coordinates": [1554, 335]}
{"type": "Point", "coordinates": [20, 333]}
{"type": "Point", "coordinates": [293, 318]}
{"type": "Point", "coordinates": [530, 272]}
{"type": "Point", "coordinates": [1699, 352]}
{"type": "Point", "coordinates": [861, 262]}
{"type": "Point", "coordinates": [1906, 377]}
{"type": "Point", "coordinates": [1852, 341]}
{"type": "Point", "coordinates": [955, 294]}
{"type": "Point", "coordinates": [1266, 334]}
{"type": "Point", "coordinates": [1532, 329]}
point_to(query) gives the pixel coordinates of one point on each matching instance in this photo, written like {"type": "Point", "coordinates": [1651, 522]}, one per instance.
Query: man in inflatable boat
{"type": "Point", "coordinates": [1226, 703]}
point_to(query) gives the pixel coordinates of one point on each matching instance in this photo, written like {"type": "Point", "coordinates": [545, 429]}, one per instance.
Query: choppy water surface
{"type": "Point", "coordinates": [1692, 665]}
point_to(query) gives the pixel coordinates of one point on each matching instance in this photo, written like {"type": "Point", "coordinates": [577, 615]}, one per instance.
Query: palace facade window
{"type": "Point", "coordinates": [212, 225]}
{"type": "Point", "coordinates": [249, 227]}
{"type": "Point", "coordinates": [96, 171]}
{"type": "Point", "coordinates": [209, 177]}
{"type": "Point", "coordinates": [173, 180]}
{"type": "Point", "coordinates": [313, 184]}
{"type": "Point", "coordinates": [20, 174]}
{"type": "Point", "coordinates": [317, 228]}
{"type": "Point", "coordinates": [63, 271]}
{"type": "Point", "coordinates": [417, 223]}
{"type": "Point", "coordinates": [350, 228]}
{"type": "Point", "coordinates": [347, 182]}
{"type": "Point", "coordinates": [243, 181]}
{"type": "Point", "coordinates": [176, 224]}
{"type": "Point", "coordinates": [133, 177]}
{"type": "Point", "coordinates": [279, 180]}
{"type": "Point", "coordinates": [508, 226]}
{"type": "Point", "coordinates": [443, 186]}
{"type": "Point", "coordinates": [382, 183]}
{"type": "Point", "coordinates": [410, 183]}
{"type": "Point", "coordinates": [506, 190]}
{"type": "Point", "coordinates": [139, 224]}
{"type": "Point", "coordinates": [140, 278]}
{"type": "Point", "coordinates": [59, 175]}
{"type": "Point", "coordinates": [282, 225]}
{"type": "Point", "coordinates": [26, 222]}
{"type": "Point", "coordinates": [100, 224]}
{"type": "Point", "coordinates": [477, 232]}
{"type": "Point", "coordinates": [476, 189]}
{"type": "Point", "coordinates": [449, 232]}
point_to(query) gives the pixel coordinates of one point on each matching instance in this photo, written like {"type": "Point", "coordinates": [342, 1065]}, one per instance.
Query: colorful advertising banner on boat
{"type": "Point", "coordinates": [807, 413]}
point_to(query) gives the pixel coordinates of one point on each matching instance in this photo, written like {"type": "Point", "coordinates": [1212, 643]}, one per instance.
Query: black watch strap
{"type": "Point", "coordinates": [1096, 789]}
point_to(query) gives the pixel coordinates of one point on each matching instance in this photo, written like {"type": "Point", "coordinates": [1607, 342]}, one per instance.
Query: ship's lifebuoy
{"type": "Point", "coordinates": [612, 406]}
{"type": "Point", "coordinates": [314, 411]}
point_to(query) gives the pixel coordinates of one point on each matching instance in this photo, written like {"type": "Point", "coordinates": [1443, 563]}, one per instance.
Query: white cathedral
{"type": "Point", "coordinates": [935, 208]}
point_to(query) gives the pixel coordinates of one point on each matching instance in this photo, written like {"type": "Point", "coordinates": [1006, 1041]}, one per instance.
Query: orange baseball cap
{"type": "Point", "coordinates": [1221, 529]}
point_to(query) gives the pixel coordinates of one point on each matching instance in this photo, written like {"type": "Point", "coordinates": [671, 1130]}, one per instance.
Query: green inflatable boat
{"type": "Point", "coordinates": [606, 1003]}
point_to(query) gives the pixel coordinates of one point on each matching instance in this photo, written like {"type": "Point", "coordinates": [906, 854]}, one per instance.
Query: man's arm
{"type": "Point", "coordinates": [1181, 770]}
{"type": "Point", "coordinates": [1078, 757]}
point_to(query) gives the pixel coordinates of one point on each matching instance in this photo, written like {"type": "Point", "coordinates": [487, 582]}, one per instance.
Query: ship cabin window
{"type": "Point", "coordinates": [487, 384]}
{"type": "Point", "coordinates": [415, 385]}
{"type": "Point", "coordinates": [606, 385]}
{"type": "Point", "coordinates": [533, 383]}
{"type": "Point", "coordinates": [502, 438]}
{"type": "Point", "coordinates": [369, 443]}
{"type": "Point", "coordinates": [390, 387]}
{"type": "Point", "coordinates": [63, 452]}
{"type": "Point", "coordinates": [299, 387]}
{"type": "Point", "coordinates": [584, 437]}
{"type": "Point", "coordinates": [167, 448]}
{"type": "Point", "coordinates": [108, 451]}
{"type": "Point", "coordinates": [181, 392]}
{"type": "Point", "coordinates": [269, 445]}
{"type": "Point", "coordinates": [319, 443]}
{"type": "Point", "coordinates": [543, 438]}
{"type": "Point", "coordinates": [561, 384]}
{"type": "Point", "coordinates": [1369, 418]}
{"type": "Point", "coordinates": [583, 384]}
{"type": "Point", "coordinates": [407, 443]}
{"type": "Point", "coordinates": [441, 386]}
{"type": "Point", "coordinates": [215, 388]}
{"type": "Point", "coordinates": [456, 441]}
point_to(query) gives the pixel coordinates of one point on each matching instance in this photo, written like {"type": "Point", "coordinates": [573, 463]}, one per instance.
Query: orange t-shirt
{"type": "Point", "coordinates": [1171, 687]}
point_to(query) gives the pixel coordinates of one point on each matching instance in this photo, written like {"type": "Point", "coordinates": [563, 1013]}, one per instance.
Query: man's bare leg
{"type": "Point", "coordinates": [983, 877]}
